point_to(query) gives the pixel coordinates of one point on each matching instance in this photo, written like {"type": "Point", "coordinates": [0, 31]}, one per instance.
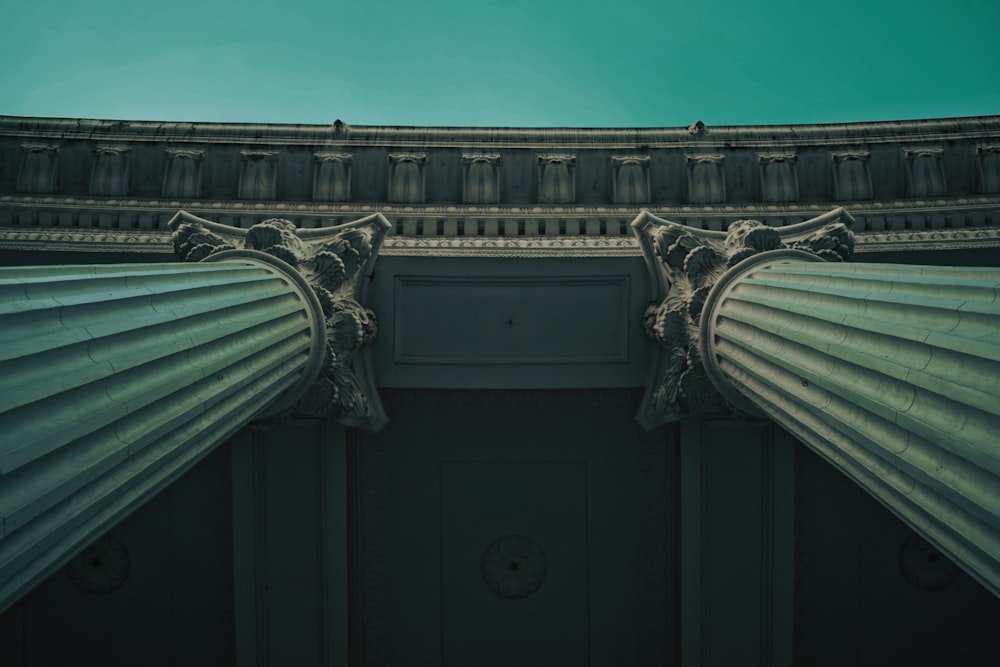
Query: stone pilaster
{"type": "Point", "coordinates": [116, 379]}
{"type": "Point", "coordinates": [890, 372]}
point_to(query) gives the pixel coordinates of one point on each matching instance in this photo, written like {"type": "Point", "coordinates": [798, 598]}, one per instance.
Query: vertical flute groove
{"type": "Point", "coordinates": [116, 379]}
{"type": "Point", "coordinates": [891, 372]}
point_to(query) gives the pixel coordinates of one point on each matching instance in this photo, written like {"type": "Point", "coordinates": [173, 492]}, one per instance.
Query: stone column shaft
{"type": "Point", "coordinates": [116, 379]}
{"type": "Point", "coordinates": [890, 372]}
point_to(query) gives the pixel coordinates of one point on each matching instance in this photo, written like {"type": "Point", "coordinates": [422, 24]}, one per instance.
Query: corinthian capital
{"type": "Point", "coordinates": [336, 263]}
{"type": "Point", "coordinates": [685, 264]}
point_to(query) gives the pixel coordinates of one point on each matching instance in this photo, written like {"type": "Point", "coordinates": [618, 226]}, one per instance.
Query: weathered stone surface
{"type": "Point", "coordinates": [685, 264]}
{"type": "Point", "coordinates": [335, 263]}
{"type": "Point", "coordinates": [116, 379]}
{"type": "Point", "coordinates": [890, 372]}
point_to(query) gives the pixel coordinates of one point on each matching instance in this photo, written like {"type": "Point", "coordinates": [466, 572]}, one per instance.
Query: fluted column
{"type": "Point", "coordinates": [115, 379]}
{"type": "Point", "coordinates": [890, 372]}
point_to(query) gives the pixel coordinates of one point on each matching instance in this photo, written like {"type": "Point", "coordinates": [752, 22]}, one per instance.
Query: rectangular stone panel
{"type": "Point", "coordinates": [520, 515]}
{"type": "Point", "coordinates": [509, 320]}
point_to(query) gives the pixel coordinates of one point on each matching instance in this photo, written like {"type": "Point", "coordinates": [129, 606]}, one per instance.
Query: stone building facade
{"type": "Point", "coordinates": [523, 467]}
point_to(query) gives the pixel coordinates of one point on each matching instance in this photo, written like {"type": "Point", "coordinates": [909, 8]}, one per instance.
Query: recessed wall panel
{"type": "Point", "coordinates": [514, 554]}
{"type": "Point", "coordinates": [511, 320]}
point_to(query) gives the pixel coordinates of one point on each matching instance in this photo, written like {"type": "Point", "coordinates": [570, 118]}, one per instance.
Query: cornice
{"type": "Point", "coordinates": [158, 243]}
{"type": "Point", "coordinates": [469, 211]}
{"type": "Point", "coordinates": [78, 240]}
{"type": "Point", "coordinates": [343, 135]}
{"type": "Point", "coordinates": [944, 239]}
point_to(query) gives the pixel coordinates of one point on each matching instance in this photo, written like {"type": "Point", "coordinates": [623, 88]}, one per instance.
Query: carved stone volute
{"type": "Point", "coordinates": [336, 263]}
{"type": "Point", "coordinates": [685, 264]}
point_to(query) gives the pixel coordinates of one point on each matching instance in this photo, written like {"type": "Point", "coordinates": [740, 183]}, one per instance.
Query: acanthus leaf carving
{"type": "Point", "coordinates": [335, 263]}
{"type": "Point", "coordinates": [685, 264]}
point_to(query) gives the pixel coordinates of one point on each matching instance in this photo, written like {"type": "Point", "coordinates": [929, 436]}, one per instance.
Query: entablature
{"type": "Point", "coordinates": [595, 167]}
{"type": "Point", "coordinates": [132, 225]}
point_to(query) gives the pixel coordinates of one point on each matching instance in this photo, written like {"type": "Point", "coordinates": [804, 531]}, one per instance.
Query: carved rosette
{"type": "Point", "coordinates": [336, 263]}
{"type": "Point", "coordinates": [100, 568]}
{"type": "Point", "coordinates": [924, 567]}
{"type": "Point", "coordinates": [514, 567]}
{"type": "Point", "coordinates": [685, 264]}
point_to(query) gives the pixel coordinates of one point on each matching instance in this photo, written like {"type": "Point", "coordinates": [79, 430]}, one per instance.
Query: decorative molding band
{"type": "Point", "coordinates": [564, 246]}
{"type": "Point", "coordinates": [344, 135]}
{"type": "Point", "coordinates": [732, 211]}
{"type": "Point", "coordinates": [945, 239]}
{"type": "Point", "coordinates": [58, 239]}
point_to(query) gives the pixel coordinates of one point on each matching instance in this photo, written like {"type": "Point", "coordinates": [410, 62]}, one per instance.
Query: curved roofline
{"type": "Point", "coordinates": [339, 132]}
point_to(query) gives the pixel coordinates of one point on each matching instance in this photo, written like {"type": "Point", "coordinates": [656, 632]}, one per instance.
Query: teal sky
{"type": "Point", "coordinates": [501, 63]}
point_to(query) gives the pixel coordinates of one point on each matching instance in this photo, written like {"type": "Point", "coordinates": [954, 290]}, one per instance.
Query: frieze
{"type": "Point", "coordinates": [58, 223]}
{"type": "Point", "coordinates": [55, 240]}
{"type": "Point", "coordinates": [335, 263]}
